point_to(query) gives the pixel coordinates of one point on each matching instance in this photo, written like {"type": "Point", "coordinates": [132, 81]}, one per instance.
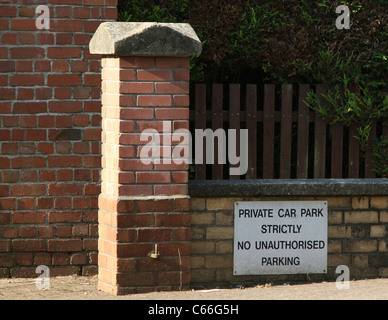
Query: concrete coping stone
{"type": "Point", "coordinates": [289, 187]}
{"type": "Point", "coordinates": [145, 39]}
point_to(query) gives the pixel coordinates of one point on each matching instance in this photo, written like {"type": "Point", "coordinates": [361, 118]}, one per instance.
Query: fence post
{"type": "Point", "coordinates": [144, 224]}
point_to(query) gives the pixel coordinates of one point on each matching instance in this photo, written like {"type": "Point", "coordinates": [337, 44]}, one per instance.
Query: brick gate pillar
{"type": "Point", "coordinates": [144, 224]}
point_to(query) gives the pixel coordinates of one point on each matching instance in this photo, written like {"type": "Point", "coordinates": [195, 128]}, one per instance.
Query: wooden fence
{"type": "Point", "coordinates": [286, 139]}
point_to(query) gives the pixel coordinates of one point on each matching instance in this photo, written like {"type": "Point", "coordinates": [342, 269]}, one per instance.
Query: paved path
{"type": "Point", "coordinates": [82, 288]}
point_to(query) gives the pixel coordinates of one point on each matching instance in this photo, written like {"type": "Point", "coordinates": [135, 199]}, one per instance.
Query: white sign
{"type": "Point", "coordinates": [280, 237]}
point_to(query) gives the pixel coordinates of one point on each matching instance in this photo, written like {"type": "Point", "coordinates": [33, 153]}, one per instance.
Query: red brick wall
{"type": "Point", "coordinates": [50, 136]}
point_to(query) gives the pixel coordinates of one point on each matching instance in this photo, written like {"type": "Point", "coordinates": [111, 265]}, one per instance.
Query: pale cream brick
{"type": "Point", "coordinates": [203, 218]}
{"type": "Point", "coordinates": [197, 233]}
{"type": "Point", "coordinates": [384, 216]}
{"type": "Point", "coordinates": [361, 217]}
{"type": "Point", "coordinates": [219, 233]}
{"type": "Point", "coordinates": [197, 262]}
{"type": "Point", "coordinates": [336, 203]}
{"type": "Point", "coordinates": [363, 272]}
{"type": "Point", "coordinates": [360, 202]}
{"type": "Point", "coordinates": [220, 203]}
{"type": "Point", "coordinates": [383, 272]}
{"type": "Point", "coordinates": [198, 204]}
{"type": "Point", "coordinates": [335, 217]}
{"type": "Point", "coordinates": [334, 246]}
{"type": "Point", "coordinates": [360, 260]}
{"type": "Point", "coordinates": [378, 231]}
{"type": "Point", "coordinates": [224, 275]}
{"type": "Point", "coordinates": [379, 202]}
{"type": "Point", "coordinates": [224, 218]}
{"type": "Point", "coordinates": [220, 262]}
{"type": "Point", "coordinates": [334, 260]}
{"type": "Point", "coordinates": [203, 275]}
{"type": "Point", "coordinates": [339, 232]}
{"type": "Point", "coordinates": [224, 247]}
{"type": "Point", "coordinates": [202, 247]}
{"type": "Point", "coordinates": [383, 246]}
{"type": "Point", "coordinates": [360, 246]}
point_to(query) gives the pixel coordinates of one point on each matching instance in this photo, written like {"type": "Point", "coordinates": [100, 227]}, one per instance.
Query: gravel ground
{"type": "Point", "coordinates": [85, 288]}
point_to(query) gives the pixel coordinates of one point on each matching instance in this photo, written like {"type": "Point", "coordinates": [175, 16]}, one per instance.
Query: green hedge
{"type": "Point", "coordinates": [293, 41]}
{"type": "Point", "coordinates": [267, 41]}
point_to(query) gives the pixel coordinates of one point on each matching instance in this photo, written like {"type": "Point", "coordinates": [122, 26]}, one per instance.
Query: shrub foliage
{"type": "Point", "coordinates": [293, 41]}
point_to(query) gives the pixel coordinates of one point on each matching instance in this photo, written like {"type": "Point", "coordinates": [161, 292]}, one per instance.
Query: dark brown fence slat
{"type": "Point", "coordinates": [217, 123]}
{"type": "Point", "coordinates": [251, 115]}
{"type": "Point", "coordinates": [369, 173]}
{"type": "Point", "coordinates": [354, 153]}
{"type": "Point", "coordinates": [286, 132]}
{"type": "Point", "coordinates": [234, 118]}
{"type": "Point", "coordinates": [320, 142]}
{"type": "Point", "coordinates": [336, 150]}
{"type": "Point", "coordinates": [268, 131]}
{"type": "Point", "coordinates": [385, 129]}
{"type": "Point", "coordinates": [200, 123]}
{"type": "Point", "coordinates": [303, 134]}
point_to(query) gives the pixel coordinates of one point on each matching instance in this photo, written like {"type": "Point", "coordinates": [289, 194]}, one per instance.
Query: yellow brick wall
{"type": "Point", "coordinates": [357, 238]}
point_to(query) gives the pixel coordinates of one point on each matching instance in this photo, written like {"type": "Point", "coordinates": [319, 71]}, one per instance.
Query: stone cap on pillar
{"type": "Point", "coordinates": [145, 39]}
